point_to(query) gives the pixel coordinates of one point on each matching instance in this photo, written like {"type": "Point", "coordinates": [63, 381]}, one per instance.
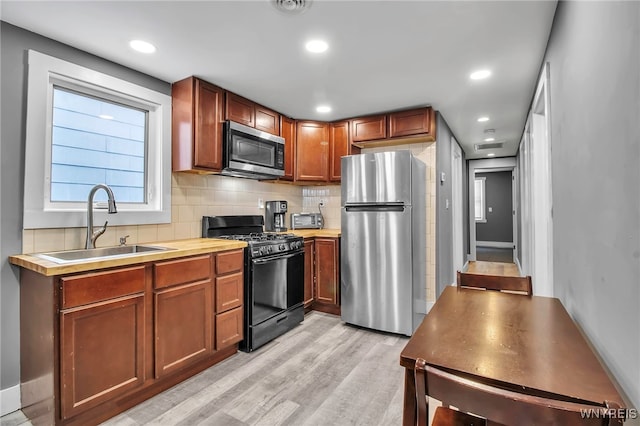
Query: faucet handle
{"type": "Point", "coordinates": [123, 240]}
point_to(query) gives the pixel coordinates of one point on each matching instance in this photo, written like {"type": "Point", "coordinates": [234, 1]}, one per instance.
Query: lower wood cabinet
{"type": "Point", "coordinates": [95, 344]}
{"type": "Point", "coordinates": [101, 352]}
{"type": "Point", "coordinates": [309, 272]}
{"type": "Point", "coordinates": [101, 324]}
{"type": "Point", "coordinates": [322, 256]}
{"type": "Point", "coordinates": [183, 326]}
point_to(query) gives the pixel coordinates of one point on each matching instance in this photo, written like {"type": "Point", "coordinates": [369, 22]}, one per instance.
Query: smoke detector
{"type": "Point", "coordinates": [291, 7]}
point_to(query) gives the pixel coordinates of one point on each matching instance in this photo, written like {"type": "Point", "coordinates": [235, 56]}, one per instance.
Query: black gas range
{"type": "Point", "coordinates": [273, 276]}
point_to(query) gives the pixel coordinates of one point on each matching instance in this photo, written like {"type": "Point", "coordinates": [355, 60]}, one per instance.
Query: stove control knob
{"type": "Point", "coordinates": [269, 249]}
{"type": "Point", "coordinates": [283, 247]}
{"type": "Point", "coordinates": [261, 250]}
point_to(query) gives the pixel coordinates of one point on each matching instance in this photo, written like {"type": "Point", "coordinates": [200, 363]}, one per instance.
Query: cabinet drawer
{"type": "Point", "coordinates": [229, 261]}
{"type": "Point", "coordinates": [229, 292]}
{"type": "Point", "coordinates": [182, 271]}
{"type": "Point", "coordinates": [96, 286]}
{"type": "Point", "coordinates": [228, 328]}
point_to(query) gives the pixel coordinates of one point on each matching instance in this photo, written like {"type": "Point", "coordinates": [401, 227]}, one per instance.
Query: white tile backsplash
{"type": "Point", "coordinates": [195, 195]}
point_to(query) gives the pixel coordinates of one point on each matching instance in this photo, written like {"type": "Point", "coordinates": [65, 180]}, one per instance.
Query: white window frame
{"type": "Point", "coordinates": [483, 201]}
{"type": "Point", "coordinates": [39, 211]}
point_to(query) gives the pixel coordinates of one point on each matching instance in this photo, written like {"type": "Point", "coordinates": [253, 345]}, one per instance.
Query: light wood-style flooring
{"type": "Point", "coordinates": [493, 268]}
{"type": "Point", "coordinates": [323, 372]}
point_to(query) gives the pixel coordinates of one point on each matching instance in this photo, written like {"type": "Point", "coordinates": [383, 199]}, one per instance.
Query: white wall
{"type": "Point", "coordinates": [594, 60]}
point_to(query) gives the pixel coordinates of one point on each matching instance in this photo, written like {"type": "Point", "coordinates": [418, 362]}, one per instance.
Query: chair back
{"type": "Point", "coordinates": [499, 405]}
{"type": "Point", "coordinates": [496, 282]}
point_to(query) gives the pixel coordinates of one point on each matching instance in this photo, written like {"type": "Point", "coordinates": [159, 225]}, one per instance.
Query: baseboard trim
{"type": "Point", "coordinates": [9, 400]}
{"type": "Point", "coordinates": [495, 244]}
{"type": "Point", "coordinates": [430, 305]}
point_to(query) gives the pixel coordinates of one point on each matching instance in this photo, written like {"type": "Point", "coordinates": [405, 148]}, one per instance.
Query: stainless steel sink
{"type": "Point", "coordinates": [67, 256]}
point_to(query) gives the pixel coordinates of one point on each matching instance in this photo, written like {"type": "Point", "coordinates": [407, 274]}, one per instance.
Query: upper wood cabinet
{"type": "Point", "coordinates": [420, 121]}
{"type": "Point", "coordinates": [197, 118]}
{"type": "Point", "coordinates": [339, 144]}
{"type": "Point", "coordinates": [244, 111]}
{"type": "Point", "coordinates": [240, 110]}
{"type": "Point", "coordinates": [369, 128]}
{"type": "Point", "coordinates": [288, 132]}
{"type": "Point", "coordinates": [312, 151]}
{"type": "Point", "coordinates": [414, 125]}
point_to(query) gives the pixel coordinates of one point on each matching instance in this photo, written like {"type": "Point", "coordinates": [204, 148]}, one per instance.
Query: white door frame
{"type": "Point", "coordinates": [478, 166]}
{"type": "Point", "coordinates": [542, 208]}
{"type": "Point", "coordinates": [457, 207]}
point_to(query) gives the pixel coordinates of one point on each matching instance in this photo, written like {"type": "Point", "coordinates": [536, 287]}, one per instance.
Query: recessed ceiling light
{"type": "Point", "coordinates": [323, 108]}
{"type": "Point", "coordinates": [483, 119]}
{"type": "Point", "coordinates": [480, 74]}
{"type": "Point", "coordinates": [142, 46]}
{"type": "Point", "coordinates": [317, 46]}
{"type": "Point", "coordinates": [491, 154]}
{"type": "Point", "coordinates": [489, 139]}
{"type": "Point", "coordinates": [106, 116]}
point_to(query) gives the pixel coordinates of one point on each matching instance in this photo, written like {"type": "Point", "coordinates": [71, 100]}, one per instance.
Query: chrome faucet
{"type": "Point", "coordinates": [91, 235]}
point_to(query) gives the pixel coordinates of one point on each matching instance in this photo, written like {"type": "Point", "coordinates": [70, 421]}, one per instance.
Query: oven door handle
{"type": "Point", "coordinates": [276, 257]}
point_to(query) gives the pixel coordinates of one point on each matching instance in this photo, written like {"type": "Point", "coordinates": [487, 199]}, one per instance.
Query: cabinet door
{"type": "Point", "coordinates": [410, 123]}
{"type": "Point", "coordinates": [369, 128]}
{"type": "Point", "coordinates": [327, 270]}
{"type": "Point", "coordinates": [101, 352]}
{"type": "Point", "coordinates": [183, 325]}
{"type": "Point", "coordinates": [240, 110]}
{"type": "Point", "coordinates": [229, 328]}
{"type": "Point", "coordinates": [312, 151]}
{"type": "Point", "coordinates": [309, 271]}
{"type": "Point", "coordinates": [196, 125]}
{"type": "Point", "coordinates": [267, 120]}
{"type": "Point", "coordinates": [288, 132]}
{"type": "Point", "coordinates": [339, 143]}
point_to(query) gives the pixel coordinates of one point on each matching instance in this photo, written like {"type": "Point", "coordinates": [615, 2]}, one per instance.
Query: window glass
{"type": "Point", "coordinates": [479, 193]}
{"type": "Point", "coordinates": [96, 141]}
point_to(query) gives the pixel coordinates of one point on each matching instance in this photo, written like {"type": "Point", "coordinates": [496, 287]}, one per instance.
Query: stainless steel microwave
{"type": "Point", "coordinates": [252, 153]}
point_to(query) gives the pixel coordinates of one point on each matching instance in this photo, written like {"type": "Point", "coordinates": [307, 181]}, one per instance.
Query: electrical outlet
{"type": "Point", "coordinates": [260, 203]}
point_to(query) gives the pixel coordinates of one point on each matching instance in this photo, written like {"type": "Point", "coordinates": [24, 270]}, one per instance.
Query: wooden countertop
{"type": "Point", "coordinates": [178, 248]}
{"type": "Point", "coordinates": [312, 233]}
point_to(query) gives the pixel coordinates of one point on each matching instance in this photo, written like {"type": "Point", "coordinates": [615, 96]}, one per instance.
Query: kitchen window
{"type": "Point", "coordinates": [480, 199]}
{"type": "Point", "coordinates": [85, 128]}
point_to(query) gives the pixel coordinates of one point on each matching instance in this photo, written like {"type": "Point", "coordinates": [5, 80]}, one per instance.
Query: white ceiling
{"type": "Point", "coordinates": [383, 55]}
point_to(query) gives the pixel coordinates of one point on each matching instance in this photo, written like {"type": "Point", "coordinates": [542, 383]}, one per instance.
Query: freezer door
{"type": "Point", "coordinates": [376, 269]}
{"type": "Point", "coordinates": [377, 178]}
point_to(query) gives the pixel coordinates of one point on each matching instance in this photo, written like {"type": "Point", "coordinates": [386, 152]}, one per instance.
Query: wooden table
{"type": "Point", "coordinates": [528, 344]}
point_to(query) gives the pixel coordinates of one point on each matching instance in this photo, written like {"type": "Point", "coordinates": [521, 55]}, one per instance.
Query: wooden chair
{"type": "Point", "coordinates": [496, 282]}
{"type": "Point", "coordinates": [494, 406]}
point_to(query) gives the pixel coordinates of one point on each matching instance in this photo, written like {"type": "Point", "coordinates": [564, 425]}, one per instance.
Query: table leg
{"type": "Point", "coordinates": [409, 412]}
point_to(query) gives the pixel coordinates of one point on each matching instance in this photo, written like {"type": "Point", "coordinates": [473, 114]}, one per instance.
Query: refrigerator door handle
{"type": "Point", "coordinates": [378, 207]}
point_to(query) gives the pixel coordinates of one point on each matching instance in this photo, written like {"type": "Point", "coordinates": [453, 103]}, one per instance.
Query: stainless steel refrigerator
{"type": "Point", "coordinates": [383, 245]}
